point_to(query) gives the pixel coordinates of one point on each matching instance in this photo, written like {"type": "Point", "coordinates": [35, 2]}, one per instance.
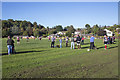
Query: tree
{"type": "Point", "coordinates": [59, 28]}
{"type": "Point", "coordinates": [15, 30]}
{"type": "Point", "coordinates": [36, 33]}
{"type": "Point", "coordinates": [53, 31]}
{"type": "Point", "coordinates": [95, 29]}
{"type": "Point", "coordinates": [25, 33]}
{"type": "Point", "coordinates": [88, 28]}
{"type": "Point", "coordinates": [68, 34]}
{"type": "Point", "coordinates": [71, 29]}
{"type": "Point", "coordinates": [35, 24]}
{"type": "Point", "coordinates": [101, 33]}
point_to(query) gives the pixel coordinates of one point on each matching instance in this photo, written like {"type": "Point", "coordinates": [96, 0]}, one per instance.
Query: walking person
{"type": "Point", "coordinates": [105, 40]}
{"type": "Point", "coordinates": [92, 42]}
{"type": "Point", "coordinates": [60, 42]}
{"type": "Point", "coordinates": [72, 42]}
{"type": "Point", "coordinates": [10, 44]}
{"type": "Point", "coordinates": [78, 40]}
{"type": "Point", "coordinates": [53, 42]}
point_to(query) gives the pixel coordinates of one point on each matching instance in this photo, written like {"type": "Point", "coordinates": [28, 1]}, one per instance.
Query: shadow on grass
{"type": "Point", "coordinates": [85, 43]}
{"type": "Point", "coordinates": [109, 47]}
{"type": "Point", "coordinates": [22, 52]}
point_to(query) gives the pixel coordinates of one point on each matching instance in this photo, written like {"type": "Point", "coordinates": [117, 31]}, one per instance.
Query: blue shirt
{"type": "Point", "coordinates": [92, 39]}
{"type": "Point", "coordinates": [60, 40]}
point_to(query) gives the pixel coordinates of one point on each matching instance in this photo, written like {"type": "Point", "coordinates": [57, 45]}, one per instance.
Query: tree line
{"type": "Point", "coordinates": [26, 28]}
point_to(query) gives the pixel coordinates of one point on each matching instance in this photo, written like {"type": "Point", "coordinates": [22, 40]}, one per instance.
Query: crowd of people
{"type": "Point", "coordinates": [79, 40]}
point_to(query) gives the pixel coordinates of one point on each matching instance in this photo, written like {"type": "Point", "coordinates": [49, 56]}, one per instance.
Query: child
{"type": "Point", "coordinates": [105, 40]}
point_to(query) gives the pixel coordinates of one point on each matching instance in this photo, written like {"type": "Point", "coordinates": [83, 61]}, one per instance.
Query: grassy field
{"type": "Point", "coordinates": [36, 59]}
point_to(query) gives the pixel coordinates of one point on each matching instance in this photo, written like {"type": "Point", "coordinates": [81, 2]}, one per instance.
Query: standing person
{"type": "Point", "coordinates": [18, 40]}
{"type": "Point", "coordinates": [10, 44]}
{"type": "Point", "coordinates": [72, 42]}
{"type": "Point", "coordinates": [105, 40]}
{"type": "Point", "coordinates": [78, 40]}
{"type": "Point", "coordinates": [53, 42]}
{"type": "Point", "coordinates": [21, 37]}
{"type": "Point", "coordinates": [82, 40]}
{"type": "Point", "coordinates": [108, 39]}
{"type": "Point", "coordinates": [67, 41]}
{"type": "Point", "coordinates": [49, 38]}
{"type": "Point", "coordinates": [113, 39]}
{"type": "Point", "coordinates": [92, 42]}
{"type": "Point", "coordinates": [60, 42]}
{"type": "Point", "coordinates": [27, 38]}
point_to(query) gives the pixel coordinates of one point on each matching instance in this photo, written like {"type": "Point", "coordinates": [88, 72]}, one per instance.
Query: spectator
{"type": "Point", "coordinates": [72, 42]}
{"type": "Point", "coordinates": [53, 42]}
{"type": "Point", "coordinates": [92, 42]}
{"type": "Point", "coordinates": [60, 42]}
{"type": "Point", "coordinates": [78, 40]}
{"type": "Point", "coordinates": [10, 44]}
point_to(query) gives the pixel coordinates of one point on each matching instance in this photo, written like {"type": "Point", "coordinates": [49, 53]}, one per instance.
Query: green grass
{"type": "Point", "coordinates": [36, 59]}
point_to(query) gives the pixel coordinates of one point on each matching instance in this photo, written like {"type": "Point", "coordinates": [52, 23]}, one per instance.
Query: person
{"type": "Point", "coordinates": [27, 38]}
{"type": "Point", "coordinates": [18, 40]}
{"type": "Point", "coordinates": [67, 41]}
{"type": "Point", "coordinates": [113, 39]}
{"type": "Point", "coordinates": [105, 40]}
{"type": "Point", "coordinates": [72, 42]}
{"type": "Point", "coordinates": [92, 42]}
{"type": "Point", "coordinates": [82, 41]}
{"type": "Point", "coordinates": [60, 42]}
{"type": "Point", "coordinates": [78, 40]}
{"type": "Point", "coordinates": [49, 38]}
{"type": "Point", "coordinates": [21, 37]}
{"type": "Point", "coordinates": [40, 38]}
{"type": "Point", "coordinates": [10, 44]}
{"type": "Point", "coordinates": [53, 42]}
{"type": "Point", "coordinates": [108, 40]}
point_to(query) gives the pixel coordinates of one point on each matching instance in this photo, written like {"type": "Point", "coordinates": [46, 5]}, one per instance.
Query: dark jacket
{"type": "Point", "coordinates": [78, 38]}
{"type": "Point", "coordinates": [10, 42]}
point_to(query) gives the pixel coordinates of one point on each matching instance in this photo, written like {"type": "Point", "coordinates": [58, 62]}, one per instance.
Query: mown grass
{"type": "Point", "coordinates": [36, 59]}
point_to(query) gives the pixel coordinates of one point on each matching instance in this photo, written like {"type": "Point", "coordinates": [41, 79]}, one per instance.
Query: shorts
{"type": "Point", "coordinates": [78, 43]}
{"type": "Point", "coordinates": [105, 42]}
{"type": "Point", "coordinates": [18, 40]}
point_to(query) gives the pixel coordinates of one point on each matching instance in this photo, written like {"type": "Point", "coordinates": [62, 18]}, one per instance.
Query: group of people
{"type": "Point", "coordinates": [108, 40]}
{"type": "Point", "coordinates": [79, 40]}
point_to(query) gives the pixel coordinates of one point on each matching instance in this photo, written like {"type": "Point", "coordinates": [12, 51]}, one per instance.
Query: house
{"type": "Point", "coordinates": [118, 30]}
{"type": "Point", "coordinates": [77, 32]}
{"type": "Point", "coordinates": [108, 32]}
{"type": "Point", "coordinates": [61, 32]}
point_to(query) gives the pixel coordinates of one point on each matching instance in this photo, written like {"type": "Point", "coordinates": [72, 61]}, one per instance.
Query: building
{"type": "Point", "coordinates": [118, 30]}
{"type": "Point", "coordinates": [77, 32]}
{"type": "Point", "coordinates": [108, 32]}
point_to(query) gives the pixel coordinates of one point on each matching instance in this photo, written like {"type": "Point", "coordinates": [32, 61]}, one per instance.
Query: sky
{"type": "Point", "coordinates": [62, 13]}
